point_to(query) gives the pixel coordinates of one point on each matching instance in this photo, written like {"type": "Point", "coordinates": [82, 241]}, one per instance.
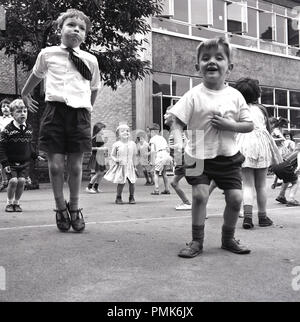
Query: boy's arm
{"type": "Point", "coordinates": [31, 83]}
{"type": "Point", "coordinates": [94, 96]}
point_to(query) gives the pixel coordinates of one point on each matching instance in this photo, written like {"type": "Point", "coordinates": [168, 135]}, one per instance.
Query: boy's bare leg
{"type": "Point", "coordinates": [11, 189]}
{"type": "Point", "coordinates": [74, 168]}
{"type": "Point", "coordinates": [200, 194]}
{"type": "Point", "coordinates": [19, 189]}
{"type": "Point", "coordinates": [56, 163]}
{"type": "Point", "coordinates": [180, 193]}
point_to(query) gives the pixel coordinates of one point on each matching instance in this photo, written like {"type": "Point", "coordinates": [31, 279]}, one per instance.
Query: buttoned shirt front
{"type": "Point", "coordinates": [63, 81]}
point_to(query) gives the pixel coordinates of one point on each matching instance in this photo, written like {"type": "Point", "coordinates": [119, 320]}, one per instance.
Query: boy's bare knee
{"type": "Point", "coordinates": [56, 169]}
{"type": "Point", "coordinates": [21, 181]}
{"type": "Point", "coordinates": [235, 201]}
{"type": "Point", "coordinates": [13, 181]}
{"type": "Point", "coordinates": [200, 198]}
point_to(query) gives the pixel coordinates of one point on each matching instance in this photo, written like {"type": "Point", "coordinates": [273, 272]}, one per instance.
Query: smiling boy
{"type": "Point", "coordinates": [72, 81]}
{"type": "Point", "coordinates": [213, 112]}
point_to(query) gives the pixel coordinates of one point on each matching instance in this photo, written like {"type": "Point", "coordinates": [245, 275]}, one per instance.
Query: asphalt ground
{"type": "Point", "coordinates": [129, 252]}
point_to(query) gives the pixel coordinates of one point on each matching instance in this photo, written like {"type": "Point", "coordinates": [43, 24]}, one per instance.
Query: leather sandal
{"type": "Point", "coordinates": [77, 221]}
{"type": "Point", "coordinates": [63, 221]}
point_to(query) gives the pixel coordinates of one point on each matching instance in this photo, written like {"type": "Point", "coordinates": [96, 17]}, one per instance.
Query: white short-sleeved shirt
{"type": "Point", "coordinates": [197, 108]}
{"type": "Point", "coordinates": [64, 83]}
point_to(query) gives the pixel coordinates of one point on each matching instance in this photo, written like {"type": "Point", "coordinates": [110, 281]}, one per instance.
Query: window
{"type": "Point", "coordinates": [202, 12]}
{"type": "Point", "coordinates": [293, 33]}
{"type": "Point", "coordinates": [168, 8]}
{"type": "Point", "coordinates": [294, 99]}
{"type": "Point", "coordinates": [180, 85]}
{"type": "Point", "coordinates": [280, 29]}
{"type": "Point", "coordinates": [265, 26]}
{"type": "Point", "coordinates": [161, 83]}
{"type": "Point", "coordinates": [295, 119]}
{"type": "Point", "coordinates": [181, 10]}
{"type": "Point", "coordinates": [281, 97]}
{"type": "Point", "coordinates": [236, 17]}
{"type": "Point", "coordinates": [267, 96]}
{"type": "Point", "coordinates": [218, 14]}
{"type": "Point", "coordinates": [252, 22]}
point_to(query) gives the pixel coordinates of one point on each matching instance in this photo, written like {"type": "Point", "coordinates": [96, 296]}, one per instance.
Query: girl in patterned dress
{"type": "Point", "coordinates": [124, 160]}
{"type": "Point", "coordinates": [260, 152]}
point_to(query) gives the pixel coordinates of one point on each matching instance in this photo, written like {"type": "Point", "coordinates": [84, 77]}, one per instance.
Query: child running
{"type": "Point", "coordinates": [260, 151]}
{"type": "Point", "coordinates": [124, 157]}
{"type": "Point", "coordinates": [143, 154]}
{"type": "Point", "coordinates": [160, 159]}
{"type": "Point", "coordinates": [97, 162]}
{"type": "Point", "coordinates": [288, 171]}
{"type": "Point", "coordinates": [72, 81]}
{"type": "Point", "coordinates": [179, 168]}
{"type": "Point", "coordinates": [16, 152]}
{"type": "Point", "coordinates": [213, 112]}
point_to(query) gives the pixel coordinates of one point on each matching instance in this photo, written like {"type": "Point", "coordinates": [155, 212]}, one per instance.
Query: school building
{"type": "Point", "coordinates": [265, 40]}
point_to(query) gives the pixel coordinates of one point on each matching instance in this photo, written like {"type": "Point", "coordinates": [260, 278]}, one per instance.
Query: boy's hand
{"type": "Point", "coordinates": [297, 171]}
{"type": "Point", "coordinates": [221, 123]}
{"type": "Point", "coordinates": [7, 169]}
{"type": "Point", "coordinates": [31, 104]}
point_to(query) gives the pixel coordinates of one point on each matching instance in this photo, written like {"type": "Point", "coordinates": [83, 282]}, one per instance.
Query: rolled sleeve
{"type": "Point", "coordinates": [40, 67]}
{"type": "Point", "coordinates": [95, 82]}
{"type": "Point", "coordinates": [244, 111]}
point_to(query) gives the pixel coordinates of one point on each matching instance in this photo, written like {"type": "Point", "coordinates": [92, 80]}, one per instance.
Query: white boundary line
{"type": "Point", "coordinates": [129, 220]}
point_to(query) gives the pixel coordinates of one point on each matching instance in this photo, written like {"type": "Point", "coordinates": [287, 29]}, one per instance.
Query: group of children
{"type": "Point", "coordinates": [228, 139]}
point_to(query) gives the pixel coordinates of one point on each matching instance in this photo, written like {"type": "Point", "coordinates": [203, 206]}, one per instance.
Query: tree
{"type": "Point", "coordinates": [30, 26]}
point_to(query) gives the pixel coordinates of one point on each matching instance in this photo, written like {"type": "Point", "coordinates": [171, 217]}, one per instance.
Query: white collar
{"type": "Point", "coordinates": [77, 49]}
{"type": "Point", "coordinates": [17, 125]}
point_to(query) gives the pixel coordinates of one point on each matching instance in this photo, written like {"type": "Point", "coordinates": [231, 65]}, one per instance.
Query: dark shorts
{"type": "Point", "coordinates": [225, 171]}
{"type": "Point", "coordinates": [285, 171]}
{"type": "Point", "coordinates": [18, 170]}
{"type": "Point", "coordinates": [65, 129]}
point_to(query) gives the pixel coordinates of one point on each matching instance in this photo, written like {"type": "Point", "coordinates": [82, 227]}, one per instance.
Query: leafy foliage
{"type": "Point", "coordinates": [30, 26]}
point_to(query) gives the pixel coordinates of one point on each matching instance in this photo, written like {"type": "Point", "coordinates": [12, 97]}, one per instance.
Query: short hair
{"type": "Point", "coordinates": [214, 43]}
{"type": "Point", "coordinates": [71, 13]}
{"type": "Point", "coordinates": [154, 127]}
{"type": "Point", "coordinates": [15, 104]}
{"type": "Point", "coordinates": [4, 101]}
{"type": "Point", "coordinates": [249, 88]}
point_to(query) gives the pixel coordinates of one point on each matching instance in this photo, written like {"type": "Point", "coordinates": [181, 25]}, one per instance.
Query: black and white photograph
{"type": "Point", "coordinates": [149, 154]}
